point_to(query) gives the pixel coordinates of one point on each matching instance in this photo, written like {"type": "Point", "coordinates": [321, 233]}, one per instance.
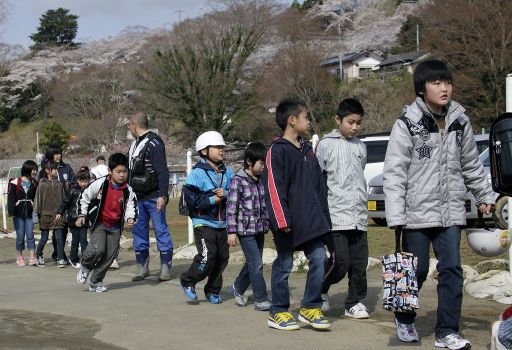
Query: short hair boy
{"type": "Point", "coordinates": [107, 221]}
{"type": "Point", "coordinates": [342, 158]}
{"type": "Point", "coordinates": [206, 190]}
{"type": "Point", "coordinates": [299, 216]}
{"type": "Point", "coordinates": [430, 160]}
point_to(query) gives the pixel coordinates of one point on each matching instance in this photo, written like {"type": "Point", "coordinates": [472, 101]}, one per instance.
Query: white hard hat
{"type": "Point", "coordinates": [209, 138]}
{"type": "Point", "coordinates": [488, 242]}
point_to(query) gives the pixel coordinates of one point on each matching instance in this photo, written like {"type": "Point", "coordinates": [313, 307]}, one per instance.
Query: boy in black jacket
{"type": "Point", "coordinates": [295, 193]}
{"type": "Point", "coordinates": [108, 202]}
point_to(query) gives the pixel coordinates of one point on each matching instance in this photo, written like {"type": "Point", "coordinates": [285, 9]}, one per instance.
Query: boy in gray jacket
{"type": "Point", "coordinates": [342, 157]}
{"type": "Point", "coordinates": [430, 160]}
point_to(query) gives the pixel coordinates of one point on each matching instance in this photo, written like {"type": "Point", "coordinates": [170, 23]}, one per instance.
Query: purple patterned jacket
{"type": "Point", "coordinates": [246, 212]}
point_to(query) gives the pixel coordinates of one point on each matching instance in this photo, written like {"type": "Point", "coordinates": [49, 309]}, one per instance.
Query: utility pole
{"type": "Point", "coordinates": [179, 14]}
{"type": "Point", "coordinates": [417, 37]}
{"type": "Point", "coordinates": [339, 47]}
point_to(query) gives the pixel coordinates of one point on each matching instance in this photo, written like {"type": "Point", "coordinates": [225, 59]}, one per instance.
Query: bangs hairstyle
{"type": "Point", "coordinates": [253, 152]}
{"type": "Point", "coordinates": [427, 71]}
{"type": "Point", "coordinates": [349, 106]}
{"type": "Point", "coordinates": [50, 165]}
{"type": "Point", "coordinates": [286, 108]}
{"type": "Point", "coordinates": [117, 159]}
{"type": "Point", "coordinates": [83, 174]}
{"type": "Point", "coordinates": [27, 167]}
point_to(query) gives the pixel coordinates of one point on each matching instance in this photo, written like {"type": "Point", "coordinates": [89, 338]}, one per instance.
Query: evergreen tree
{"type": "Point", "coordinates": [54, 134]}
{"type": "Point", "coordinates": [56, 28]}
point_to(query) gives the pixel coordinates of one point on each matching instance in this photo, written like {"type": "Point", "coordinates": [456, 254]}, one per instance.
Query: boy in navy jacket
{"type": "Point", "coordinates": [295, 193]}
{"type": "Point", "coordinates": [206, 190]}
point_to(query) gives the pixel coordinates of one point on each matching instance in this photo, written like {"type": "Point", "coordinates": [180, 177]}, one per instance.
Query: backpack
{"type": "Point", "coordinates": [500, 153]}
{"type": "Point", "coordinates": [18, 184]}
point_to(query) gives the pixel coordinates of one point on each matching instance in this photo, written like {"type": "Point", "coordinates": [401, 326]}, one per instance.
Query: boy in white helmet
{"type": "Point", "coordinates": [205, 191]}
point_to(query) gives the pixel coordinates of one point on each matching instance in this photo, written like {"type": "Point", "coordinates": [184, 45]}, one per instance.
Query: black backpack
{"type": "Point", "coordinates": [500, 152]}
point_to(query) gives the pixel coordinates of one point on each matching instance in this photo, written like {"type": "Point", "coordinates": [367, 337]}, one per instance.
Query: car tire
{"type": "Point", "coordinates": [501, 213]}
{"type": "Point", "coordinates": [380, 221]}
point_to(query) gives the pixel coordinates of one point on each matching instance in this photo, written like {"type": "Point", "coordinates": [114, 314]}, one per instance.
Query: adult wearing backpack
{"type": "Point", "coordinates": [149, 178]}
{"type": "Point", "coordinates": [20, 205]}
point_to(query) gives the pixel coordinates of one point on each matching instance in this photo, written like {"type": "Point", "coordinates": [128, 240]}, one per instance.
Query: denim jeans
{"type": "Point", "coordinates": [281, 268]}
{"type": "Point", "coordinates": [79, 236]}
{"type": "Point", "coordinates": [446, 245]}
{"type": "Point", "coordinates": [24, 228]}
{"type": "Point", "coordinates": [147, 210]}
{"type": "Point", "coordinates": [54, 242]}
{"type": "Point", "coordinates": [59, 238]}
{"type": "Point", "coordinates": [252, 271]}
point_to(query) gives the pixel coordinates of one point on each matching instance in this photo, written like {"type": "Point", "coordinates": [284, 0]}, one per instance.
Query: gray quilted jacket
{"type": "Point", "coordinates": [343, 162]}
{"type": "Point", "coordinates": [426, 174]}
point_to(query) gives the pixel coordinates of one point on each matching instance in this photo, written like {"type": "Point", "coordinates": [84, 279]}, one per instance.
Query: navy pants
{"type": "Point", "coordinates": [446, 244]}
{"type": "Point", "coordinates": [252, 271]}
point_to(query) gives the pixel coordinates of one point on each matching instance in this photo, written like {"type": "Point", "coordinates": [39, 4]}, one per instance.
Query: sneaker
{"type": "Point", "coordinates": [20, 261]}
{"type": "Point", "coordinates": [496, 344]}
{"type": "Point", "coordinates": [215, 299]}
{"type": "Point", "coordinates": [190, 292]}
{"type": "Point", "coordinates": [283, 321]}
{"type": "Point", "coordinates": [357, 311]}
{"type": "Point", "coordinates": [40, 261]}
{"type": "Point", "coordinates": [97, 287]}
{"type": "Point", "coordinates": [325, 303]}
{"type": "Point", "coordinates": [262, 305]}
{"type": "Point", "coordinates": [114, 265]}
{"type": "Point", "coordinates": [82, 275]}
{"type": "Point", "coordinates": [32, 262]}
{"type": "Point", "coordinates": [76, 265]}
{"type": "Point", "coordinates": [240, 299]}
{"type": "Point", "coordinates": [452, 341]}
{"type": "Point", "coordinates": [406, 332]}
{"type": "Point", "coordinates": [61, 263]}
{"type": "Point", "coordinates": [314, 317]}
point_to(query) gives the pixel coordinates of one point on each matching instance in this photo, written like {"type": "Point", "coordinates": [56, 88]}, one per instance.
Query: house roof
{"type": "Point", "coordinates": [350, 57]}
{"type": "Point", "coordinates": [404, 58]}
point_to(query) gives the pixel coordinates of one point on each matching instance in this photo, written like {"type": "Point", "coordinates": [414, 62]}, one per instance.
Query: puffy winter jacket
{"type": "Point", "coordinates": [426, 175]}
{"type": "Point", "coordinates": [199, 195]}
{"type": "Point", "coordinates": [343, 162]}
{"type": "Point", "coordinates": [49, 195]}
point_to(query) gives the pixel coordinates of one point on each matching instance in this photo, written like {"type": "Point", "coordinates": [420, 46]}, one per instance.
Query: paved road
{"type": "Point", "coordinates": [44, 308]}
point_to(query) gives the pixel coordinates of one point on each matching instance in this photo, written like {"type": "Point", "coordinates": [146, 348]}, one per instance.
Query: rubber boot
{"type": "Point", "coordinates": [142, 258]}
{"type": "Point", "coordinates": [165, 265]}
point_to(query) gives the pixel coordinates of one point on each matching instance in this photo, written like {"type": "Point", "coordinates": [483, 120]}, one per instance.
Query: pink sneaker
{"type": "Point", "coordinates": [20, 261]}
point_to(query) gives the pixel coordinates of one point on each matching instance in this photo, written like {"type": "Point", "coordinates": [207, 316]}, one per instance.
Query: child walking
{"type": "Point", "coordinates": [342, 158]}
{"type": "Point", "coordinates": [108, 203]}
{"type": "Point", "coordinates": [69, 208]}
{"type": "Point", "coordinates": [295, 194]}
{"type": "Point", "coordinates": [20, 205]}
{"type": "Point", "coordinates": [205, 191]}
{"type": "Point", "coordinates": [49, 195]}
{"type": "Point", "coordinates": [247, 218]}
{"type": "Point", "coordinates": [430, 160]}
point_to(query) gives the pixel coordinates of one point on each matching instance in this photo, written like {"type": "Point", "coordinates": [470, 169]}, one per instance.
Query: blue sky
{"type": "Point", "coordinates": [98, 18]}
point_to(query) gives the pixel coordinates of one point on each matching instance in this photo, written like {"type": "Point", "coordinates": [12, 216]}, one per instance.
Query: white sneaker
{"type": "Point", "coordinates": [82, 275]}
{"type": "Point", "coordinates": [97, 287]}
{"type": "Point", "coordinates": [76, 265]}
{"type": "Point", "coordinates": [495, 342]}
{"type": "Point", "coordinates": [240, 299]}
{"type": "Point", "coordinates": [453, 341]}
{"type": "Point", "coordinates": [114, 265]}
{"type": "Point", "coordinates": [325, 303]}
{"type": "Point", "coordinates": [406, 332]}
{"type": "Point", "coordinates": [357, 311]}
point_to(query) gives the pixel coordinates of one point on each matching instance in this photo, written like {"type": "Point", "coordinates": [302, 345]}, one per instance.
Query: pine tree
{"type": "Point", "coordinates": [53, 133]}
{"type": "Point", "coordinates": [56, 28]}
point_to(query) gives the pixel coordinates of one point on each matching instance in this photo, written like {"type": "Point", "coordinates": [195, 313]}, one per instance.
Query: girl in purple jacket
{"type": "Point", "coordinates": [247, 218]}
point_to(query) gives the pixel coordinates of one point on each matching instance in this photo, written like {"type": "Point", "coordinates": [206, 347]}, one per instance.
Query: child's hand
{"type": "Point", "coordinates": [80, 222]}
{"type": "Point", "coordinates": [130, 223]}
{"type": "Point", "coordinates": [485, 208]}
{"type": "Point", "coordinates": [285, 230]}
{"type": "Point", "coordinates": [57, 217]}
{"type": "Point", "coordinates": [232, 239]}
{"type": "Point", "coordinates": [217, 199]}
{"type": "Point", "coordinates": [219, 192]}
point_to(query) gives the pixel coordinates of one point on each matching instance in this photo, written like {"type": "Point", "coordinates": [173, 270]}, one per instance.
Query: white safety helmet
{"type": "Point", "coordinates": [488, 242]}
{"type": "Point", "coordinates": [209, 138]}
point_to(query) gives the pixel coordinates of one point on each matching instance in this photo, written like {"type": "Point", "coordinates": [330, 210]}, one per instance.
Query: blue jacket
{"type": "Point", "coordinates": [296, 194]}
{"type": "Point", "coordinates": [199, 195]}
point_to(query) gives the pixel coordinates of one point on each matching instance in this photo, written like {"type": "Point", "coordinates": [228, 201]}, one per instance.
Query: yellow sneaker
{"type": "Point", "coordinates": [283, 321]}
{"type": "Point", "coordinates": [314, 317]}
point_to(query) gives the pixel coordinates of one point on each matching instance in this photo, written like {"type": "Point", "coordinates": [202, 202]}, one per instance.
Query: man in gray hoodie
{"type": "Point", "coordinates": [430, 161]}
{"type": "Point", "coordinates": [342, 157]}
